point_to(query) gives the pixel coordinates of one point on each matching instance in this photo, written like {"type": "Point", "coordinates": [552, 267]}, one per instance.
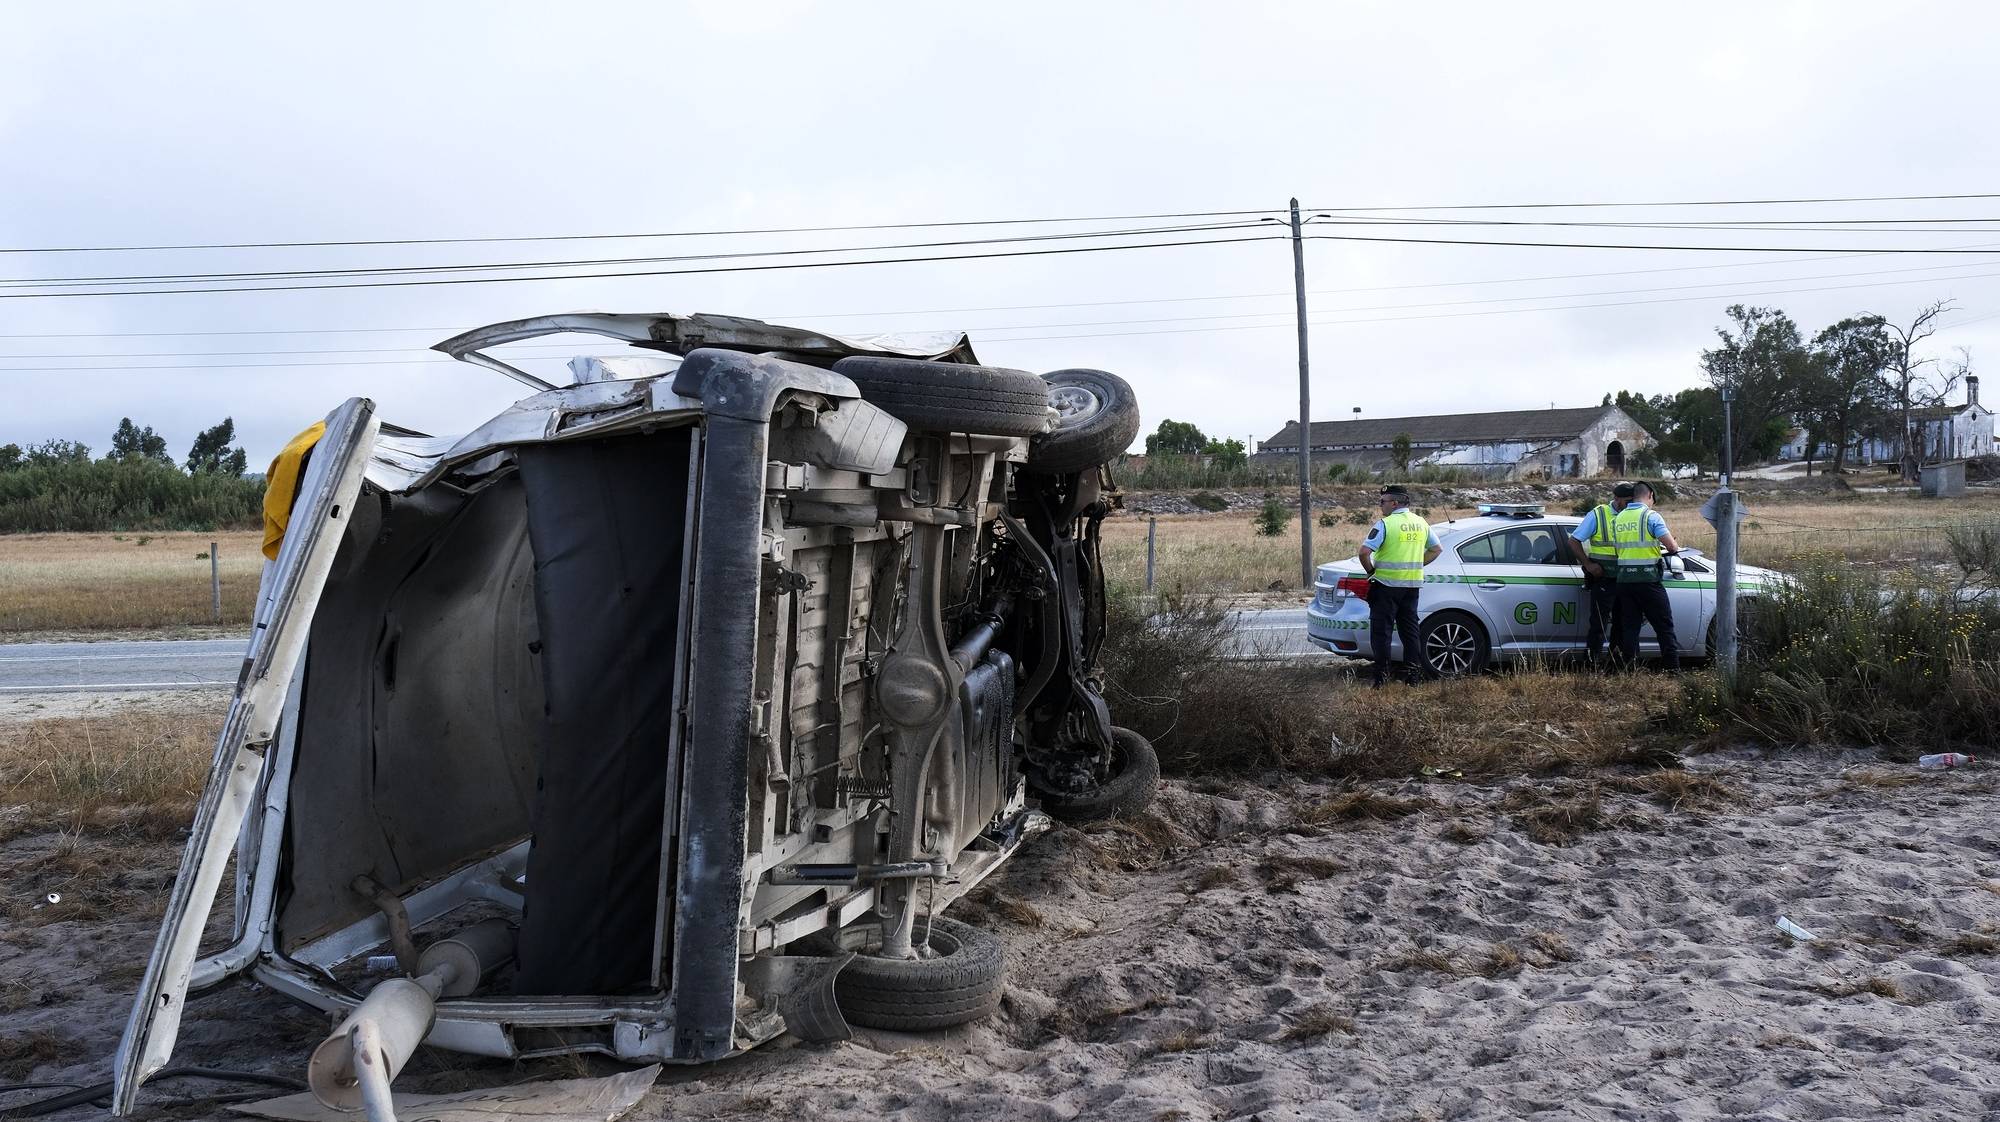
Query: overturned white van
{"type": "Point", "coordinates": [663, 713]}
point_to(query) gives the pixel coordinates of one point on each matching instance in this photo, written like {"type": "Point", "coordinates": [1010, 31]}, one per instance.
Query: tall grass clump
{"type": "Point", "coordinates": [1171, 674]}
{"type": "Point", "coordinates": [100, 495]}
{"type": "Point", "coordinates": [1839, 655]}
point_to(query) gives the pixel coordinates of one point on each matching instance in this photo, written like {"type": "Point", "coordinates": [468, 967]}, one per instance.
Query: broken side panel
{"type": "Point", "coordinates": [608, 520]}
{"type": "Point", "coordinates": [320, 515]}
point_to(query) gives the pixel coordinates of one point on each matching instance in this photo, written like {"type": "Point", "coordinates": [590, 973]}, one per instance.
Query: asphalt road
{"type": "Point", "coordinates": [178, 664]}
{"type": "Point", "coordinates": [140, 665]}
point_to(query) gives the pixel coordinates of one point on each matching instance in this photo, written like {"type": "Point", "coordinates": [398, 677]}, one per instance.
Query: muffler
{"type": "Point", "coordinates": [353, 1067]}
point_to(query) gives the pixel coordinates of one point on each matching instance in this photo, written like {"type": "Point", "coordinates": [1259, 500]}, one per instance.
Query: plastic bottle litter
{"type": "Point", "coordinates": [1944, 760]}
{"type": "Point", "coordinates": [1795, 931]}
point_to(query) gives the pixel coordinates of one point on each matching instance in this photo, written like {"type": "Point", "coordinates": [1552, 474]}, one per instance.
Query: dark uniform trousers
{"type": "Point", "coordinates": [1602, 592]}
{"type": "Point", "coordinates": [1646, 602]}
{"type": "Point", "coordinates": [1395, 606]}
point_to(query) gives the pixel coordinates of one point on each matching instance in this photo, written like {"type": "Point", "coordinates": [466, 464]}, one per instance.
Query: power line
{"type": "Point", "coordinates": [392, 270]}
{"type": "Point", "coordinates": [575, 263]}
{"type": "Point", "coordinates": [1856, 250]}
{"type": "Point", "coordinates": [857, 227]}
{"type": "Point", "coordinates": [1683, 202]}
{"type": "Point", "coordinates": [656, 234]}
{"type": "Point", "coordinates": [643, 272]}
{"type": "Point", "coordinates": [1043, 338]}
{"type": "Point", "coordinates": [1009, 307]}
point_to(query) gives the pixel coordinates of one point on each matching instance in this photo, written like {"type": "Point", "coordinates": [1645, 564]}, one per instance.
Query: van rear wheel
{"type": "Point", "coordinates": [955, 979]}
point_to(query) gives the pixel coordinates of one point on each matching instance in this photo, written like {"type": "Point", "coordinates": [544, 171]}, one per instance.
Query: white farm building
{"type": "Point", "coordinates": [1517, 444]}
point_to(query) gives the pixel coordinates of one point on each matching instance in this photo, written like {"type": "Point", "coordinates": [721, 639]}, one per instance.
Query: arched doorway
{"type": "Point", "coordinates": [1614, 458]}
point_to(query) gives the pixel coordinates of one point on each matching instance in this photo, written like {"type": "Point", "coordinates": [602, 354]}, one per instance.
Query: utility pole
{"type": "Point", "coordinates": [1305, 410]}
{"type": "Point", "coordinates": [1725, 552]}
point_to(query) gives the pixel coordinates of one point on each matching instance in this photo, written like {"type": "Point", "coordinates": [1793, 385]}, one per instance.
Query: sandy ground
{"type": "Point", "coordinates": [1570, 947]}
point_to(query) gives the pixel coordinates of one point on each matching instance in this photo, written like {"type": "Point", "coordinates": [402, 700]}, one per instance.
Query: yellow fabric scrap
{"type": "Point", "coordinates": [281, 486]}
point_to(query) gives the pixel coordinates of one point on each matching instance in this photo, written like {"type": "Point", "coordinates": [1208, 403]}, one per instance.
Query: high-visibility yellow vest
{"type": "Point", "coordinates": [1638, 549]}
{"type": "Point", "coordinates": [1600, 547]}
{"type": "Point", "coordinates": [1400, 559]}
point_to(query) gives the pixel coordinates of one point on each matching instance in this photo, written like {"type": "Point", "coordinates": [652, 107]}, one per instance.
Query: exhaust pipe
{"type": "Point", "coordinates": [352, 1068]}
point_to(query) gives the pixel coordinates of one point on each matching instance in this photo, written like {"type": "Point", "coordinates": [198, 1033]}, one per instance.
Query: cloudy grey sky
{"type": "Point", "coordinates": [124, 124]}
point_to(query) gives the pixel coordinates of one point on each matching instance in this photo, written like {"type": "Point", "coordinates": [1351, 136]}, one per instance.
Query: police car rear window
{"type": "Point", "coordinates": [1526, 545]}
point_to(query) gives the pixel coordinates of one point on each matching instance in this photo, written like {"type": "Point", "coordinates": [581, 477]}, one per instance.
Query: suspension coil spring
{"type": "Point", "coordinates": [857, 787]}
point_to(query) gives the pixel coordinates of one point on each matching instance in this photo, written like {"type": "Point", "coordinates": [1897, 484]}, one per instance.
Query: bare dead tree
{"type": "Point", "coordinates": [1915, 381]}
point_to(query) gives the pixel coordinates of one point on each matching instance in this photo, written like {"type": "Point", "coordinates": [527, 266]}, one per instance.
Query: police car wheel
{"type": "Point", "coordinates": [1454, 645]}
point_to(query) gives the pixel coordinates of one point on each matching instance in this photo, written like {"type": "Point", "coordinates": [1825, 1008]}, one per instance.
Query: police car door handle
{"type": "Point", "coordinates": [1490, 585]}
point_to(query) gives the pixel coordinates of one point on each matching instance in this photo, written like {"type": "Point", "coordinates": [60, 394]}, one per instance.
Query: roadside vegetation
{"type": "Point", "coordinates": [1846, 656]}
{"type": "Point", "coordinates": [57, 486]}
{"type": "Point", "coordinates": [1167, 677]}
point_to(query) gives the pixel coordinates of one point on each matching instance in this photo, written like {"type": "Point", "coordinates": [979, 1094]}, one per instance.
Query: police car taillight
{"type": "Point", "coordinates": [1356, 585]}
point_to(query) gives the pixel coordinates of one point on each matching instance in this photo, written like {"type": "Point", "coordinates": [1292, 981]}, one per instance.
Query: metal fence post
{"type": "Point", "coordinates": [215, 581]}
{"type": "Point", "coordinates": [1152, 530]}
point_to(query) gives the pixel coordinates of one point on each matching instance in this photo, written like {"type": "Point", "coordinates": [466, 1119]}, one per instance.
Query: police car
{"type": "Point", "coordinates": [1507, 587]}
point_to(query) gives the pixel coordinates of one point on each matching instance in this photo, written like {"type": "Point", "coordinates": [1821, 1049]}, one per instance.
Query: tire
{"type": "Point", "coordinates": [1097, 418]}
{"type": "Point", "coordinates": [1135, 777]}
{"type": "Point", "coordinates": [1454, 645]}
{"type": "Point", "coordinates": [1746, 609]}
{"type": "Point", "coordinates": [952, 397]}
{"type": "Point", "coordinates": [959, 983]}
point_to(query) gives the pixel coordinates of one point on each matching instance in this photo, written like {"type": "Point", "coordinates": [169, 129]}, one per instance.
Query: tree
{"type": "Point", "coordinates": [1841, 388]}
{"type": "Point", "coordinates": [1174, 438]}
{"type": "Point", "coordinates": [212, 454]}
{"type": "Point", "coordinates": [131, 442]}
{"type": "Point", "coordinates": [1273, 516]}
{"type": "Point", "coordinates": [1650, 412]}
{"type": "Point", "coordinates": [1762, 361]}
{"type": "Point", "coordinates": [1914, 381]}
{"type": "Point", "coordinates": [50, 452]}
{"type": "Point", "coordinates": [1399, 452]}
{"type": "Point", "coordinates": [11, 457]}
{"type": "Point", "coordinates": [1226, 454]}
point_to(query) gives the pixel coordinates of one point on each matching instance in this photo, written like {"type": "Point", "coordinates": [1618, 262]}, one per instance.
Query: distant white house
{"type": "Point", "coordinates": [1517, 444]}
{"type": "Point", "coordinates": [1940, 432]}
{"type": "Point", "coordinates": [1943, 432]}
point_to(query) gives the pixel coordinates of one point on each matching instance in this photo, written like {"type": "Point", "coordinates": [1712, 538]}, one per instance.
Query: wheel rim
{"type": "Point", "coordinates": [1450, 647]}
{"type": "Point", "coordinates": [1074, 403]}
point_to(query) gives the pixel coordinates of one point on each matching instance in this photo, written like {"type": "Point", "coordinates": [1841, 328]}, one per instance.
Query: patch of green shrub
{"type": "Point", "coordinates": [93, 496]}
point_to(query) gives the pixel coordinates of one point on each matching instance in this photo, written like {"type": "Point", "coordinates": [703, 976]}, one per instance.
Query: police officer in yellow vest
{"type": "Point", "coordinates": [1394, 554]}
{"type": "Point", "coordinates": [1595, 551]}
{"type": "Point", "coordinates": [1641, 537]}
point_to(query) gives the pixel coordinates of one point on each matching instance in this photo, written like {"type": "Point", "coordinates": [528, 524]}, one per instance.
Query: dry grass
{"type": "Point", "coordinates": [1560, 816]}
{"type": "Point", "coordinates": [1551, 947]}
{"type": "Point", "coordinates": [1874, 984]}
{"type": "Point", "coordinates": [1972, 943]}
{"type": "Point", "coordinates": [1501, 960]}
{"type": "Point", "coordinates": [135, 769]}
{"type": "Point", "coordinates": [95, 582]}
{"type": "Point", "coordinates": [1423, 958]}
{"type": "Point", "coordinates": [1363, 806]}
{"type": "Point", "coordinates": [1284, 872]}
{"type": "Point", "coordinates": [22, 1052]}
{"type": "Point", "coordinates": [1183, 1040]}
{"type": "Point", "coordinates": [1224, 552]}
{"type": "Point", "coordinates": [1318, 1021]}
{"type": "Point", "coordinates": [1676, 789]}
{"type": "Point", "coordinates": [1215, 876]}
{"type": "Point", "coordinates": [1019, 911]}
{"type": "Point", "coordinates": [1462, 833]}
